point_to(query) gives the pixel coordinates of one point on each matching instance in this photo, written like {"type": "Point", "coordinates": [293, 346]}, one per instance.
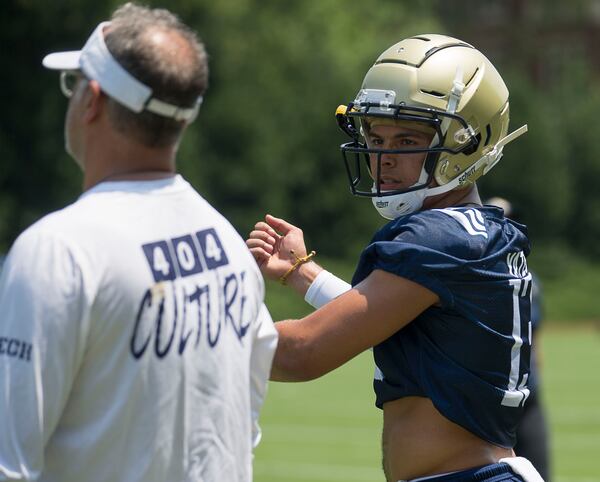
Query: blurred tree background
{"type": "Point", "coordinates": [266, 138]}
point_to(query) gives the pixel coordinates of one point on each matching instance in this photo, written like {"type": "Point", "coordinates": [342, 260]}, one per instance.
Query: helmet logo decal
{"type": "Point", "coordinates": [464, 177]}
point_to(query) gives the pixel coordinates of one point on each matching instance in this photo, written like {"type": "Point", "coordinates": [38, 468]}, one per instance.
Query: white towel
{"type": "Point", "coordinates": [524, 468]}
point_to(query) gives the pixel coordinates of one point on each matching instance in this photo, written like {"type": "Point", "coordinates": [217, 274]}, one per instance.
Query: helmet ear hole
{"type": "Point", "coordinates": [430, 161]}
{"type": "Point", "coordinates": [473, 147]}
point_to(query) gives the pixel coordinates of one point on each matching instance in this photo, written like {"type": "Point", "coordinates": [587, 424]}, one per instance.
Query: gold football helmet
{"type": "Point", "coordinates": [436, 83]}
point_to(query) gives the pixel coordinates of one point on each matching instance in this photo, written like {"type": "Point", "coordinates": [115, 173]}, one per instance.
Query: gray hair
{"type": "Point", "coordinates": [176, 79]}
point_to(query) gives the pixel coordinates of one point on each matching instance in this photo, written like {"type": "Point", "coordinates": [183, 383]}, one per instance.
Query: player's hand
{"type": "Point", "coordinates": [275, 244]}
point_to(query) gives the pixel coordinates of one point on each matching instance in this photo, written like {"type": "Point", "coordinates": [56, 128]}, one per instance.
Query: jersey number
{"type": "Point", "coordinates": [517, 391]}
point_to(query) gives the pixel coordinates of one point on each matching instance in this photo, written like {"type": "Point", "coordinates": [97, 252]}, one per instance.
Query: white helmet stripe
{"type": "Point", "coordinates": [453, 98]}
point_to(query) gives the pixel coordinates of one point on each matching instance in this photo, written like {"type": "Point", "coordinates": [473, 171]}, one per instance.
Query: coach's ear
{"type": "Point", "coordinates": [94, 101]}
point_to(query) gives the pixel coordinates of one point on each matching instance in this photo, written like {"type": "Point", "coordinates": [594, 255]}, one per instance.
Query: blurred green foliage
{"type": "Point", "coordinates": [266, 139]}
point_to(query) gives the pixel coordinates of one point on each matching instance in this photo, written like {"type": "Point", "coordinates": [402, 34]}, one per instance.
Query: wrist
{"type": "Point", "coordinates": [302, 278]}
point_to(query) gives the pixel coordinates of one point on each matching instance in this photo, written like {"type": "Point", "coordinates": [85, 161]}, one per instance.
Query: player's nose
{"type": "Point", "coordinates": [389, 160]}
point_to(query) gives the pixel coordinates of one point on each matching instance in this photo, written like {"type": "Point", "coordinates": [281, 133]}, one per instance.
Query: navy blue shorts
{"type": "Point", "coordinates": [500, 472]}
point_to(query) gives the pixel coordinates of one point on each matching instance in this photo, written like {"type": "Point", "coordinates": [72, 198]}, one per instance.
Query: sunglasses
{"type": "Point", "coordinates": [68, 81]}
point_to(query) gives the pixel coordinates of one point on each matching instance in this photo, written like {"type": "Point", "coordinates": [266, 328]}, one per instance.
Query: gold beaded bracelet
{"type": "Point", "coordinates": [299, 261]}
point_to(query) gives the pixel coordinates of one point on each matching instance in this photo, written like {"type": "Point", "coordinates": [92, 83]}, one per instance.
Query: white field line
{"type": "Point", "coordinates": [319, 432]}
{"type": "Point", "coordinates": [575, 415]}
{"type": "Point", "coordinates": [302, 471]}
{"type": "Point", "coordinates": [576, 441]}
{"type": "Point", "coordinates": [291, 471]}
{"type": "Point", "coordinates": [575, 478]}
{"type": "Point", "coordinates": [321, 435]}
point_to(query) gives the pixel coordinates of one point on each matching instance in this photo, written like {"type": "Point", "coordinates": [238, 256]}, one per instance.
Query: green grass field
{"type": "Point", "coordinates": [328, 430]}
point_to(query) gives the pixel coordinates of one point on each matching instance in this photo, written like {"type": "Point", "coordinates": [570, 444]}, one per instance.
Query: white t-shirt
{"type": "Point", "coordinates": [134, 342]}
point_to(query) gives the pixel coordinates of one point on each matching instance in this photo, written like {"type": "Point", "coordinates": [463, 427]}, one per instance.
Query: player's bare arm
{"type": "Point", "coordinates": [371, 312]}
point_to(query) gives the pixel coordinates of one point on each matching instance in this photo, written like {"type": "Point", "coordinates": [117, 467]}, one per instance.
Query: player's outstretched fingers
{"type": "Point", "coordinates": [280, 225]}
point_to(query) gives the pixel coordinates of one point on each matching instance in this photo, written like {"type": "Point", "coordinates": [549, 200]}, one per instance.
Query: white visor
{"type": "Point", "coordinates": [96, 62]}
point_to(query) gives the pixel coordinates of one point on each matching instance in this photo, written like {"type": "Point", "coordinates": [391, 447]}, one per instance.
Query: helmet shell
{"type": "Point", "coordinates": [422, 70]}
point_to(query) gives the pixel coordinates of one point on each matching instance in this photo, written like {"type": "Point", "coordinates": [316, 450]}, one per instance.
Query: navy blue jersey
{"type": "Point", "coordinates": [469, 355]}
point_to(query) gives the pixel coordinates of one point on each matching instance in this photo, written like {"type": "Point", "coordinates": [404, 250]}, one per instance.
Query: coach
{"type": "Point", "coordinates": [135, 342]}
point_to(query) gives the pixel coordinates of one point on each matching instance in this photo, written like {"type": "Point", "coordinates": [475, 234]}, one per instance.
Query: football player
{"type": "Point", "coordinates": [442, 292]}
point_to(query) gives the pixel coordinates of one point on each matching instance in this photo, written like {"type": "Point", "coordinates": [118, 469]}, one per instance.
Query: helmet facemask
{"type": "Point", "coordinates": [357, 153]}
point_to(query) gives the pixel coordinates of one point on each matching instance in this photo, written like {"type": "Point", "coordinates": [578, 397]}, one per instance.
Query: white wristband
{"type": "Point", "coordinates": [325, 288]}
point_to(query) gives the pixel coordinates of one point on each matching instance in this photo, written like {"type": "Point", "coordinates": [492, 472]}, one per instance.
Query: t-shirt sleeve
{"type": "Point", "coordinates": [263, 350]}
{"type": "Point", "coordinates": [42, 333]}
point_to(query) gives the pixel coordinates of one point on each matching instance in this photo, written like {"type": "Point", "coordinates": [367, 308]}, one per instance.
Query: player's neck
{"type": "Point", "coordinates": [456, 197]}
